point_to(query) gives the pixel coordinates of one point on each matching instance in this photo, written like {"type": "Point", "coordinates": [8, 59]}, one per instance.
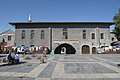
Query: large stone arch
{"type": "Point", "coordinates": [69, 49]}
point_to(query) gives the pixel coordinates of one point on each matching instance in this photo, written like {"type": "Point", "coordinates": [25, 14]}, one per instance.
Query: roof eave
{"type": "Point", "coordinates": [14, 23]}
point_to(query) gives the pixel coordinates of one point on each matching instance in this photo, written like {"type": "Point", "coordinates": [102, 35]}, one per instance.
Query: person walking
{"type": "Point", "coordinates": [42, 59]}
{"type": "Point", "coordinates": [16, 58]}
{"type": "Point", "coordinates": [0, 50]}
{"type": "Point", "coordinates": [9, 57]}
{"type": "Point", "coordinates": [13, 56]}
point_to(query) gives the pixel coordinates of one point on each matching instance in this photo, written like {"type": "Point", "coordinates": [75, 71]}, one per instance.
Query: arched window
{"type": "Point", "coordinates": [32, 34]}
{"type": "Point", "coordinates": [84, 34]}
{"type": "Point", "coordinates": [65, 34]}
{"type": "Point", "coordinates": [23, 34]}
{"type": "Point", "coordinates": [42, 34]}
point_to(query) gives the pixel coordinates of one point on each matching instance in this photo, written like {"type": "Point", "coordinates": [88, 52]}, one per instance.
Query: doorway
{"type": "Point", "coordinates": [65, 49]}
{"type": "Point", "coordinates": [85, 49]}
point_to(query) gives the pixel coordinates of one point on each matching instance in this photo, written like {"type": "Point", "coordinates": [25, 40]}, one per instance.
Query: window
{"type": "Point", "coordinates": [93, 35]}
{"type": "Point", "coordinates": [32, 34]}
{"type": "Point", "coordinates": [65, 34]}
{"type": "Point", "coordinates": [23, 34]}
{"type": "Point", "coordinates": [42, 34]}
{"type": "Point", "coordinates": [84, 34]}
{"type": "Point", "coordinates": [102, 35]}
{"type": "Point", "coordinates": [9, 38]}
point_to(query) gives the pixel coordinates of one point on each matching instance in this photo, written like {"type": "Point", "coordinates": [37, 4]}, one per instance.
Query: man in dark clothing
{"type": "Point", "coordinates": [10, 57]}
{"type": "Point", "coordinates": [0, 51]}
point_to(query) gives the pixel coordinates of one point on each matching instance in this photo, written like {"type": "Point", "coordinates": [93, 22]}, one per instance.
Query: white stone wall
{"type": "Point", "coordinates": [5, 37]}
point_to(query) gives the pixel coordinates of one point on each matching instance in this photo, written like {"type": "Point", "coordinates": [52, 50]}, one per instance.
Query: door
{"type": "Point", "coordinates": [85, 49]}
{"type": "Point", "coordinates": [94, 50]}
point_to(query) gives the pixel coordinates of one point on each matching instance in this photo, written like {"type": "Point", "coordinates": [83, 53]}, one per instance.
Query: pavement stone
{"type": "Point", "coordinates": [69, 67]}
{"type": "Point", "coordinates": [47, 72]}
{"type": "Point", "coordinates": [85, 68]}
{"type": "Point", "coordinates": [18, 78]}
{"type": "Point", "coordinates": [24, 67]}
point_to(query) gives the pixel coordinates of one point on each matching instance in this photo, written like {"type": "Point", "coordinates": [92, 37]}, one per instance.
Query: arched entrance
{"type": "Point", "coordinates": [85, 49]}
{"type": "Point", "coordinates": [65, 49]}
{"type": "Point", "coordinates": [94, 50]}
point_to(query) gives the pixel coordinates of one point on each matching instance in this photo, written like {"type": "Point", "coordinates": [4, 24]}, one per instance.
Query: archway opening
{"type": "Point", "coordinates": [85, 49]}
{"type": "Point", "coordinates": [65, 49]}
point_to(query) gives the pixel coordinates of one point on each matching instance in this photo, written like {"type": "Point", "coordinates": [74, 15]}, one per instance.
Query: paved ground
{"type": "Point", "coordinates": [60, 67]}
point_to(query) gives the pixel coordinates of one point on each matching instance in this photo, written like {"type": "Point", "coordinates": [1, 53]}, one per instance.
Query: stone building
{"type": "Point", "coordinates": [113, 38]}
{"type": "Point", "coordinates": [64, 37]}
{"type": "Point", "coordinates": [7, 37]}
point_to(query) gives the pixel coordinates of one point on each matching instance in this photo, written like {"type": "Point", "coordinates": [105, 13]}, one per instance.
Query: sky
{"type": "Point", "coordinates": [56, 10]}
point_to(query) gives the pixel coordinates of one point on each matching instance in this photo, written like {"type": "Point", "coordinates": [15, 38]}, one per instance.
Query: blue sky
{"type": "Point", "coordinates": [56, 10]}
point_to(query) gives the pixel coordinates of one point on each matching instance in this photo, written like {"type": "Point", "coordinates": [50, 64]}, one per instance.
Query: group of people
{"type": "Point", "coordinates": [12, 57]}
{"type": "Point", "coordinates": [42, 52]}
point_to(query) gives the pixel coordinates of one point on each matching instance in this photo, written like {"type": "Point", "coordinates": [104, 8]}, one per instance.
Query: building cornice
{"type": "Point", "coordinates": [14, 23]}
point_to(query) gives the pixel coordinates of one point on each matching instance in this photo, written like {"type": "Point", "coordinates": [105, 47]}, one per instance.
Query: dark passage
{"type": "Point", "coordinates": [69, 49]}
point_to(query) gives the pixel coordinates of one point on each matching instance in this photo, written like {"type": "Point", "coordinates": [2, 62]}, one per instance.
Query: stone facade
{"type": "Point", "coordinates": [113, 38]}
{"type": "Point", "coordinates": [53, 35]}
{"type": "Point", "coordinates": [8, 36]}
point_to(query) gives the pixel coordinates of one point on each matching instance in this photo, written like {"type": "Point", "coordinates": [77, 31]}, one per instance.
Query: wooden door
{"type": "Point", "coordinates": [94, 50]}
{"type": "Point", "coordinates": [85, 49]}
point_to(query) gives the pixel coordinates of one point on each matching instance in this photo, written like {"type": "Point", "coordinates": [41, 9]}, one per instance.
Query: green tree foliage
{"type": "Point", "coordinates": [116, 31]}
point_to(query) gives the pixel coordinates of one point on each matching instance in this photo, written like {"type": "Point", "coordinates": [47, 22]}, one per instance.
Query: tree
{"type": "Point", "coordinates": [116, 31]}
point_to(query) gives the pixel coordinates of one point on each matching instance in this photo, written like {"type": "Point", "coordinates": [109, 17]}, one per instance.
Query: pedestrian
{"type": "Point", "coordinates": [41, 58]}
{"type": "Point", "coordinates": [44, 53]}
{"type": "Point", "coordinates": [16, 58]}
{"type": "Point", "coordinates": [52, 52]}
{"type": "Point", "coordinates": [13, 56]}
{"type": "Point", "coordinates": [9, 57]}
{"type": "Point", "coordinates": [0, 50]}
{"type": "Point", "coordinates": [41, 54]}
